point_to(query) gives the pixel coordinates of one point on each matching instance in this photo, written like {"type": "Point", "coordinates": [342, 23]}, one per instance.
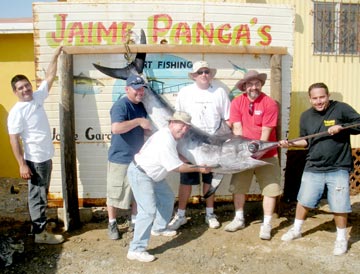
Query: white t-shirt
{"type": "Point", "coordinates": [207, 107]}
{"type": "Point", "coordinates": [29, 119]}
{"type": "Point", "coordinates": [159, 156]}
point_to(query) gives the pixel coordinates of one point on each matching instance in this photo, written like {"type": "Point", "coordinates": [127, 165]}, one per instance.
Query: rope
{"type": "Point", "coordinates": [128, 54]}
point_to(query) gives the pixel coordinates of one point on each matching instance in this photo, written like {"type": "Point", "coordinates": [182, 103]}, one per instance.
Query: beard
{"type": "Point", "coordinates": [253, 94]}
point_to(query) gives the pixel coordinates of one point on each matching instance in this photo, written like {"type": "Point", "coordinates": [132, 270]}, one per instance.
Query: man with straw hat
{"type": "Point", "coordinates": [254, 115]}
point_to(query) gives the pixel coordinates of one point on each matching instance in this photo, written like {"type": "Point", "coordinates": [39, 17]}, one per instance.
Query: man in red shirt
{"type": "Point", "coordinates": [254, 115]}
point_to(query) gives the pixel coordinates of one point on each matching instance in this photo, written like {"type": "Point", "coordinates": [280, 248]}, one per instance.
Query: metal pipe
{"type": "Point", "coordinates": [319, 134]}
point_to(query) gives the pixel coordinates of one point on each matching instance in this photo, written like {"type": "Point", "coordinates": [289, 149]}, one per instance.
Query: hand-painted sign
{"type": "Point", "coordinates": [161, 28]}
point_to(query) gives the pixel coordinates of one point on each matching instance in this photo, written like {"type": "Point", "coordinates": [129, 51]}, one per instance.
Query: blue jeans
{"type": "Point", "coordinates": [338, 190]}
{"type": "Point", "coordinates": [38, 189]}
{"type": "Point", "coordinates": [155, 203]}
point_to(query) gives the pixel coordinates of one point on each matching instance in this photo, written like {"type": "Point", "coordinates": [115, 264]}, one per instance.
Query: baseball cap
{"type": "Point", "coordinates": [181, 116]}
{"type": "Point", "coordinates": [135, 81]}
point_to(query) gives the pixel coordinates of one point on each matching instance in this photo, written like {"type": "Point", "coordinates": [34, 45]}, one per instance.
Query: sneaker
{"type": "Point", "coordinates": [212, 221]}
{"type": "Point", "coordinates": [234, 225]}
{"type": "Point", "coordinates": [142, 256]}
{"type": "Point", "coordinates": [291, 235]}
{"type": "Point", "coordinates": [176, 222]}
{"type": "Point", "coordinates": [113, 231]}
{"type": "Point", "coordinates": [265, 232]}
{"type": "Point", "coordinates": [340, 247]}
{"type": "Point", "coordinates": [166, 233]}
{"type": "Point", "coordinates": [48, 238]}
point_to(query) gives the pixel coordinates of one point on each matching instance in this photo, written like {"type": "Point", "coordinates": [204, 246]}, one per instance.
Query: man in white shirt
{"type": "Point", "coordinates": [154, 197]}
{"type": "Point", "coordinates": [209, 106]}
{"type": "Point", "coordinates": [30, 139]}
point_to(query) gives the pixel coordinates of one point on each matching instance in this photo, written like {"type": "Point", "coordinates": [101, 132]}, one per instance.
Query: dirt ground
{"type": "Point", "coordinates": [197, 249]}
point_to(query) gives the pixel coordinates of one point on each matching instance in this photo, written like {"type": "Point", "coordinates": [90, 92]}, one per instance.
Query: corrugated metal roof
{"type": "Point", "coordinates": [16, 25]}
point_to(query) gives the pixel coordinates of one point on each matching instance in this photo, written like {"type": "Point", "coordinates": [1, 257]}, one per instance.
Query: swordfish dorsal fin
{"type": "Point", "coordinates": [135, 67]}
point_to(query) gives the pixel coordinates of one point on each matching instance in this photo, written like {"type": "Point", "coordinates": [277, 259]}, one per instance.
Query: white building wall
{"type": "Point", "coordinates": [95, 92]}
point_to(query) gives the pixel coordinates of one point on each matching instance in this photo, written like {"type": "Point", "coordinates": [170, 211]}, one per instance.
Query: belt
{"type": "Point", "coordinates": [139, 167]}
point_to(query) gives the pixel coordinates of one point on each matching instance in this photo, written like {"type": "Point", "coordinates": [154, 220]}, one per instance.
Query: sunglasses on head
{"type": "Point", "coordinates": [251, 108]}
{"type": "Point", "coordinates": [137, 82]}
{"type": "Point", "coordinates": [200, 72]}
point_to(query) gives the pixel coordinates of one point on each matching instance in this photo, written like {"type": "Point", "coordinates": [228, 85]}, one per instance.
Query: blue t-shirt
{"type": "Point", "coordinates": [124, 146]}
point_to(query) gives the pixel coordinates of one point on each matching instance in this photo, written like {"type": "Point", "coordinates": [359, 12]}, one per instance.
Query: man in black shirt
{"type": "Point", "coordinates": [328, 162]}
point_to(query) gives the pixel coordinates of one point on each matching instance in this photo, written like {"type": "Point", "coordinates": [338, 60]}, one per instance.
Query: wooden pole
{"type": "Point", "coordinates": [145, 48]}
{"type": "Point", "coordinates": [68, 149]}
{"type": "Point", "coordinates": [276, 87]}
{"type": "Point", "coordinates": [276, 94]}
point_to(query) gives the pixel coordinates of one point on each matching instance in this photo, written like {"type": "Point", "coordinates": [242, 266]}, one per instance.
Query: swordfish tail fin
{"type": "Point", "coordinates": [135, 67]}
{"type": "Point", "coordinates": [139, 61]}
{"type": "Point", "coordinates": [119, 73]}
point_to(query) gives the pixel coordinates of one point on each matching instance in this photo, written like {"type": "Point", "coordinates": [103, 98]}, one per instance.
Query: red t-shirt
{"type": "Point", "coordinates": [265, 114]}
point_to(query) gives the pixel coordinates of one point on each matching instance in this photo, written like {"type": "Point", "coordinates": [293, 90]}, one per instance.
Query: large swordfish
{"type": "Point", "coordinates": [226, 153]}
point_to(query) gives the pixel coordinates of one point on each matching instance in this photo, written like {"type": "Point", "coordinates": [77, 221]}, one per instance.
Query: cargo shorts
{"type": "Point", "coordinates": [118, 192]}
{"type": "Point", "coordinates": [267, 176]}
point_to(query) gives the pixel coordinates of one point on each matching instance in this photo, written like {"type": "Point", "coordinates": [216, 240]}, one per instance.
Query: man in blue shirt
{"type": "Point", "coordinates": [128, 127]}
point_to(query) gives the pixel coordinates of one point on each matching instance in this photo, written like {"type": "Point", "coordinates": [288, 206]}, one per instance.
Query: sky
{"type": "Point", "coordinates": [18, 8]}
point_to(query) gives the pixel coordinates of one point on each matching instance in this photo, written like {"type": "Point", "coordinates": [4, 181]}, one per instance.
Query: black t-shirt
{"type": "Point", "coordinates": [329, 153]}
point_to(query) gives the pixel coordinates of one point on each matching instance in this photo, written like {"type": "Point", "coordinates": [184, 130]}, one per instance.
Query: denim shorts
{"type": "Point", "coordinates": [338, 190]}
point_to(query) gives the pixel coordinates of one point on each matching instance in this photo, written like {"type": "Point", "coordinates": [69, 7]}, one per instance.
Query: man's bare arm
{"type": "Point", "coordinates": [25, 171]}
{"type": "Point", "coordinates": [52, 68]}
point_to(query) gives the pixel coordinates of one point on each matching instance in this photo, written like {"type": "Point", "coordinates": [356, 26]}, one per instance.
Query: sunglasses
{"type": "Point", "coordinates": [200, 72]}
{"type": "Point", "coordinates": [251, 108]}
{"type": "Point", "coordinates": [137, 82]}
{"type": "Point", "coordinates": [257, 84]}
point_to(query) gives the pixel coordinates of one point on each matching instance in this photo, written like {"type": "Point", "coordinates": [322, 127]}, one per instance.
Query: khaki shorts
{"type": "Point", "coordinates": [268, 178]}
{"type": "Point", "coordinates": [119, 193]}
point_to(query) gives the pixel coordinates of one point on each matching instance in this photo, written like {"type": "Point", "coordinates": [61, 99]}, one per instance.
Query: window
{"type": "Point", "coordinates": [336, 28]}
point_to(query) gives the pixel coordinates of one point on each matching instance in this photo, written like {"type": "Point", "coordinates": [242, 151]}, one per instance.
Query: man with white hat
{"type": "Point", "coordinates": [147, 178]}
{"type": "Point", "coordinates": [208, 106]}
{"type": "Point", "coordinates": [254, 115]}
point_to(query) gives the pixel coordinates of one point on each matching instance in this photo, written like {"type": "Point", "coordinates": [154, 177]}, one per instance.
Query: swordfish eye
{"type": "Point", "coordinates": [253, 146]}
